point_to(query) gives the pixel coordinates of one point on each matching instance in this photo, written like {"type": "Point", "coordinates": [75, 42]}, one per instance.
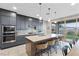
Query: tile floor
{"type": "Point", "coordinates": [14, 51]}
{"type": "Point", "coordinates": [20, 51]}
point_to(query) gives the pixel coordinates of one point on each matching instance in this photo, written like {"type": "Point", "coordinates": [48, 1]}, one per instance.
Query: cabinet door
{"type": "Point", "coordinates": [0, 20]}
{"type": "Point", "coordinates": [0, 40]}
{"type": "Point", "coordinates": [18, 23]}
{"type": "Point", "coordinates": [0, 30]}
{"type": "Point", "coordinates": [5, 20]}
{"type": "Point", "coordinates": [22, 24]}
{"type": "Point", "coordinates": [26, 24]}
{"type": "Point", "coordinates": [13, 20]}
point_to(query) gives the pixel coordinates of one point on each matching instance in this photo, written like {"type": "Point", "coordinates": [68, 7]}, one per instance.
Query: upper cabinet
{"type": "Point", "coordinates": [21, 22]}
{"type": "Point", "coordinates": [0, 20]}
{"type": "Point", "coordinates": [18, 23]}
{"type": "Point", "coordinates": [13, 19]}
{"type": "Point", "coordinates": [7, 18]}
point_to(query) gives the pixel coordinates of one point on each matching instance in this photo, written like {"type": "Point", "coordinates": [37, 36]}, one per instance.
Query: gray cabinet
{"type": "Point", "coordinates": [21, 23]}
{"type": "Point", "coordinates": [0, 20]}
{"type": "Point", "coordinates": [25, 23]}
{"type": "Point", "coordinates": [13, 20]}
{"type": "Point", "coordinates": [18, 23]}
{"type": "Point", "coordinates": [0, 30]}
{"type": "Point", "coordinates": [0, 40]}
{"type": "Point", "coordinates": [8, 20]}
{"type": "Point", "coordinates": [5, 19]}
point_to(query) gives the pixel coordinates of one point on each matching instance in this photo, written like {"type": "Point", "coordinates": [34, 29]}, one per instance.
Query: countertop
{"type": "Point", "coordinates": [37, 38]}
{"type": "Point", "coordinates": [18, 34]}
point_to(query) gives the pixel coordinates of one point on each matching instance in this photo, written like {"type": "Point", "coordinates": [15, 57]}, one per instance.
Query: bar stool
{"type": "Point", "coordinates": [52, 44]}
{"type": "Point", "coordinates": [41, 48]}
{"type": "Point", "coordinates": [65, 50]}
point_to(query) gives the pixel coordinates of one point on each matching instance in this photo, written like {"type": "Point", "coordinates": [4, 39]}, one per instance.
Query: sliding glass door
{"type": "Point", "coordinates": [71, 29]}
{"type": "Point", "coordinates": [61, 26]}
{"type": "Point", "coordinates": [77, 29]}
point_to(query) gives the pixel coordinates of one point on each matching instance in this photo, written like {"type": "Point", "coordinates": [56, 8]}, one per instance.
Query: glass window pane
{"type": "Point", "coordinates": [53, 28]}
{"type": "Point", "coordinates": [61, 28]}
{"type": "Point", "coordinates": [71, 29]}
{"type": "Point", "coordinates": [78, 29]}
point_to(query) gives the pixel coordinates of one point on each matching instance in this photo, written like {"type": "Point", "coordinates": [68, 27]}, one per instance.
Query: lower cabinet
{"type": "Point", "coordinates": [0, 40]}
{"type": "Point", "coordinates": [19, 41]}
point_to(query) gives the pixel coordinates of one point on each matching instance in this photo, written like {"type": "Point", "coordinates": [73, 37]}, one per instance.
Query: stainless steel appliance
{"type": "Point", "coordinates": [8, 33]}
{"type": "Point", "coordinates": [8, 28]}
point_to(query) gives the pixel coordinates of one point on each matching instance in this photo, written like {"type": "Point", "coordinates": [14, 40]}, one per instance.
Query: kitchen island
{"type": "Point", "coordinates": [32, 41]}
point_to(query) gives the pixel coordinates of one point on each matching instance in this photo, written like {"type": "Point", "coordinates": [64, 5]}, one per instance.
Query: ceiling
{"type": "Point", "coordinates": [32, 9]}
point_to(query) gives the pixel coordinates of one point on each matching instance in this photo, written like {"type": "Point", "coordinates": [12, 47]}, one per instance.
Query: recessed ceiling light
{"type": "Point", "coordinates": [55, 22]}
{"type": "Point", "coordinates": [40, 18]}
{"type": "Point", "coordinates": [72, 4]}
{"type": "Point", "coordinates": [14, 8]}
{"type": "Point", "coordinates": [13, 14]}
{"type": "Point", "coordinates": [49, 20]}
{"type": "Point", "coordinates": [30, 19]}
{"type": "Point", "coordinates": [37, 15]}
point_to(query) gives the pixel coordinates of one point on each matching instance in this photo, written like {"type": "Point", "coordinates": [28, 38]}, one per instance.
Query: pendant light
{"type": "Point", "coordinates": [55, 16]}
{"type": "Point", "coordinates": [49, 13]}
{"type": "Point", "coordinates": [40, 17]}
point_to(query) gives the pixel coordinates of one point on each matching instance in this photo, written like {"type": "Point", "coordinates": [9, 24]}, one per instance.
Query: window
{"type": "Point", "coordinates": [61, 27]}
{"type": "Point", "coordinates": [53, 28]}
{"type": "Point", "coordinates": [71, 29]}
{"type": "Point", "coordinates": [77, 29]}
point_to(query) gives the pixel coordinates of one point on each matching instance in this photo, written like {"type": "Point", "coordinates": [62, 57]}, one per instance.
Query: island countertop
{"type": "Point", "coordinates": [37, 38]}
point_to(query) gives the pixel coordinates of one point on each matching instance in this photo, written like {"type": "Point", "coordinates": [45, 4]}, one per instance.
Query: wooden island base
{"type": "Point", "coordinates": [32, 41]}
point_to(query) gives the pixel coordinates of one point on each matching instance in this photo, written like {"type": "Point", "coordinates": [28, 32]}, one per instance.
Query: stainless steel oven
{"type": "Point", "coordinates": [7, 39]}
{"type": "Point", "coordinates": [8, 33]}
{"type": "Point", "coordinates": [8, 28]}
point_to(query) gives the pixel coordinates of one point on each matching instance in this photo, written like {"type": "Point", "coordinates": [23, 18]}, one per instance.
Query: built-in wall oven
{"type": "Point", "coordinates": [8, 33]}
{"type": "Point", "coordinates": [8, 28]}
